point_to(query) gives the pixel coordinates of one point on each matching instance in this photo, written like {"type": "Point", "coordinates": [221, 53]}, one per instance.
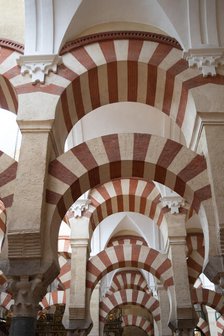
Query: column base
{"type": "Point", "coordinates": [23, 326]}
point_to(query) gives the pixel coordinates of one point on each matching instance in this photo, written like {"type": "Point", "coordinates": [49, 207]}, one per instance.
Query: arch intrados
{"type": "Point", "coordinates": [138, 321]}
{"type": "Point", "coordinates": [8, 95]}
{"type": "Point", "coordinates": [137, 281]}
{"type": "Point", "coordinates": [147, 301]}
{"type": "Point", "coordinates": [149, 208]}
{"type": "Point", "coordinates": [98, 161]}
{"type": "Point", "coordinates": [208, 298]}
{"type": "Point", "coordinates": [87, 78]}
{"type": "Point", "coordinates": [94, 275]}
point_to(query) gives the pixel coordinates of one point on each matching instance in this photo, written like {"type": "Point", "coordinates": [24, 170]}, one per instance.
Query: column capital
{"type": "Point", "coordinates": [38, 66]}
{"type": "Point", "coordinates": [27, 293]}
{"type": "Point", "coordinates": [79, 207]}
{"type": "Point", "coordinates": [79, 242]}
{"type": "Point", "coordinates": [208, 60]}
{"type": "Point", "coordinates": [173, 203]}
{"type": "Point", "coordinates": [35, 126]}
{"type": "Point", "coordinates": [204, 119]}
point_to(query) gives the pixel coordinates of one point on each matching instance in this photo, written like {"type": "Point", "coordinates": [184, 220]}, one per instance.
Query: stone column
{"type": "Point", "coordinates": [164, 309]}
{"type": "Point", "coordinates": [27, 293]}
{"type": "Point", "coordinates": [76, 314]}
{"type": "Point", "coordinates": [211, 145]}
{"type": "Point", "coordinates": [184, 323]}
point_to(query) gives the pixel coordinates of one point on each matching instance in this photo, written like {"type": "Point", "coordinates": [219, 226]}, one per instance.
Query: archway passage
{"type": "Point", "coordinates": [8, 96]}
{"type": "Point", "coordinates": [128, 279]}
{"type": "Point", "coordinates": [120, 195]}
{"type": "Point", "coordinates": [114, 156]}
{"type": "Point", "coordinates": [208, 298]}
{"type": "Point", "coordinates": [138, 321]}
{"type": "Point", "coordinates": [129, 256]}
{"type": "Point", "coordinates": [134, 70]}
{"type": "Point", "coordinates": [129, 296]}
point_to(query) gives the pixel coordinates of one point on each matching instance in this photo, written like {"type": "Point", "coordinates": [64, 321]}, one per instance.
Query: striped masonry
{"type": "Point", "coordinates": [208, 298]}
{"type": "Point", "coordinates": [65, 272]}
{"type": "Point", "coordinates": [129, 296]}
{"type": "Point", "coordinates": [6, 300]}
{"type": "Point", "coordinates": [127, 155]}
{"type": "Point", "coordinates": [195, 254]}
{"type": "Point", "coordinates": [2, 223]}
{"type": "Point", "coordinates": [52, 298]}
{"type": "Point", "coordinates": [8, 167]}
{"type": "Point", "coordinates": [129, 256]}
{"type": "Point", "coordinates": [124, 195]}
{"type": "Point", "coordinates": [203, 326]}
{"type": "Point", "coordinates": [120, 240]}
{"type": "Point", "coordinates": [115, 70]}
{"type": "Point", "coordinates": [220, 325]}
{"type": "Point", "coordinates": [8, 96]}
{"type": "Point", "coordinates": [138, 321]}
{"type": "Point", "coordinates": [128, 280]}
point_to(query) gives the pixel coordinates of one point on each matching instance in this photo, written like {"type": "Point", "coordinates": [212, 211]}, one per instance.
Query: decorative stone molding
{"type": "Point", "coordinates": [204, 119]}
{"type": "Point", "coordinates": [5, 43]}
{"type": "Point", "coordinates": [27, 294]}
{"type": "Point", "coordinates": [38, 66]}
{"type": "Point", "coordinates": [173, 203]}
{"type": "Point", "coordinates": [77, 313]}
{"type": "Point", "coordinates": [119, 35]}
{"type": "Point", "coordinates": [79, 206]}
{"type": "Point", "coordinates": [24, 245]}
{"type": "Point", "coordinates": [206, 60]}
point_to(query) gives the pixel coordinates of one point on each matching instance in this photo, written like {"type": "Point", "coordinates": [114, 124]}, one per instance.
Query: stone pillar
{"type": "Point", "coordinates": [164, 309]}
{"type": "Point", "coordinates": [25, 229]}
{"type": "Point", "coordinates": [211, 145]}
{"type": "Point", "coordinates": [95, 311]}
{"type": "Point", "coordinates": [184, 323]}
{"type": "Point", "coordinates": [27, 293]}
{"type": "Point", "coordinates": [76, 317]}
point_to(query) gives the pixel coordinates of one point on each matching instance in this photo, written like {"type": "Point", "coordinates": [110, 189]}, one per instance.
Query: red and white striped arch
{"type": "Point", "coordinates": [127, 239]}
{"type": "Point", "coordinates": [129, 256]}
{"type": "Point", "coordinates": [124, 195]}
{"type": "Point", "coordinates": [6, 300]}
{"type": "Point", "coordinates": [195, 254]}
{"type": "Point", "coordinates": [115, 69]}
{"type": "Point", "coordinates": [8, 70]}
{"type": "Point", "coordinates": [2, 223]}
{"type": "Point", "coordinates": [8, 167]}
{"type": "Point", "coordinates": [203, 326]}
{"type": "Point", "coordinates": [128, 279]}
{"type": "Point", "coordinates": [129, 296]}
{"type": "Point", "coordinates": [65, 271]}
{"type": "Point", "coordinates": [144, 156]}
{"type": "Point", "coordinates": [138, 321]}
{"type": "Point", "coordinates": [220, 326]}
{"type": "Point", "coordinates": [53, 298]}
{"type": "Point", "coordinates": [135, 70]}
{"type": "Point", "coordinates": [208, 298]}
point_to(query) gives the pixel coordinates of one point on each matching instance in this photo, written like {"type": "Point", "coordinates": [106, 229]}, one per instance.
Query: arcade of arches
{"type": "Point", "coordinates": [112, 203]}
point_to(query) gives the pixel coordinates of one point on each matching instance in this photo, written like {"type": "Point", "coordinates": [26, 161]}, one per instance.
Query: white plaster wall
{"type": "Point", "coordinates": [10, 136]}
{"type": "Point", "coordinates": [91, 13]}
{"type": "Point", "coordinates": [126, 117]}
{"type": "Point", "coordinates": [112, 224]}
{"type": "Point", "coordinates": [12, 20]}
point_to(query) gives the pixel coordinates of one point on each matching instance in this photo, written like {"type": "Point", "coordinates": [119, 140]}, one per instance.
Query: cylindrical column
{"type": "Point", "coordinates": [27, 294]}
